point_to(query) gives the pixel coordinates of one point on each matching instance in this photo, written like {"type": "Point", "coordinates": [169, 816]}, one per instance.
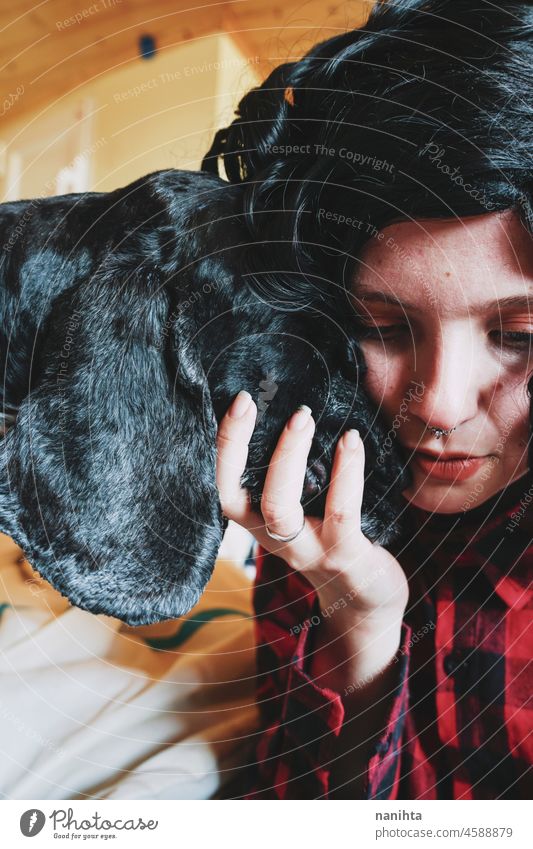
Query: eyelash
{"type": "Point", "coordinates": [517, 340]}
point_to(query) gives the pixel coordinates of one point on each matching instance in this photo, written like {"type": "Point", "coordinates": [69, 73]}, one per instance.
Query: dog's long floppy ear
{"type": "Point", "coordinates": [107, 479]}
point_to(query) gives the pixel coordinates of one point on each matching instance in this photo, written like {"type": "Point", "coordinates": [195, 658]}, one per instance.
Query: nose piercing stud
{"type": "Point", "coordinates": [439, 431]}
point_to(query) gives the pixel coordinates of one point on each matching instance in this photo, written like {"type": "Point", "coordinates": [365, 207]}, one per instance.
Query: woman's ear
{"type": "Point", "coordinates": [107, 478]}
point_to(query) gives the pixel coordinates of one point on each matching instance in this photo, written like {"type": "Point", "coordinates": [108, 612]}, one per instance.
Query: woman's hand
{"type": "Point", "coordinates": [333, 554]}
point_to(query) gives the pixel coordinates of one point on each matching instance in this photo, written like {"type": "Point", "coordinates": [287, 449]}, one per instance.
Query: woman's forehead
{"type": "Point", "coordinates": [465, 260]}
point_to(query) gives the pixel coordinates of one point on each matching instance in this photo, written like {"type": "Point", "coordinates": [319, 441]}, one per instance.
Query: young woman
{"type": "Point", "coordinates": [401, 672]}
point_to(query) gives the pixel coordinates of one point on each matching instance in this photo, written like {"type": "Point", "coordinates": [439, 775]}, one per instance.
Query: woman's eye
{"type": "Point", "coordinates": [514, 340]}
{"type": "Point", "coordinates": [383, 331]}
{"type": "Point", "coordinates": [517, 340]}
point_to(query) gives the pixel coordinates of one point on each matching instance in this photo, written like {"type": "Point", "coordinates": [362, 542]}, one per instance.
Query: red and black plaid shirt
{"type": "Point", "coordinates": [460, 718]}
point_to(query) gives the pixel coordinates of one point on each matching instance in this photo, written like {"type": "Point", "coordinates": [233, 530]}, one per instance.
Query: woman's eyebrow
{"type": "Point", "coordinates": [509, 302]}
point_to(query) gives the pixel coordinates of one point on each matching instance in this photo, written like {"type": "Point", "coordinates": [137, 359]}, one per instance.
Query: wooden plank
{"type": "Point", "coordinates": [47, 53]}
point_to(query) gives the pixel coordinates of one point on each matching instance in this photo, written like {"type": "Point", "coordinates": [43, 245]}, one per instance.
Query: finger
{"type": "Point", "coordinates": [280, 502]}
{"type": "Point", "coordinates": [233, 437]}
{"type": "Point", "coordinates": [342, 513]}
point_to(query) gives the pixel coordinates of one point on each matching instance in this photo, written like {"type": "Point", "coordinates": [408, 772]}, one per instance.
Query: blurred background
{"type": "Point", "coordinates": [96, 94]}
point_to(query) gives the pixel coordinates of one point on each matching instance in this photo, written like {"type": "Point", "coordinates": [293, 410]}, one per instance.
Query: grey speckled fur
{"type": "Point", "coordinates": [126, 331]}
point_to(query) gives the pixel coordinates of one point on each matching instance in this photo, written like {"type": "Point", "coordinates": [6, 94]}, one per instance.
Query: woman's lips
{"type": "Point", "coordinates": [456, 469]}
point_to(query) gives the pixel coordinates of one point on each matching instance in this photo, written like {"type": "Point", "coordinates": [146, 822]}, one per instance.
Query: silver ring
{"type": "Point", "coordinates": [279, 538]}
{"type": "Point", "coordinates": [438, 431]}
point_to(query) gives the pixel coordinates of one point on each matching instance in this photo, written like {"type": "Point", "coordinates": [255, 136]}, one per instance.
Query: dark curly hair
{"type": "Point", "coordinates": [425, 112]}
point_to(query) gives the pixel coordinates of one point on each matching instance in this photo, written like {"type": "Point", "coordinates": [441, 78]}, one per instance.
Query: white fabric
{"type": "Point", "coordinates": [89, 709]}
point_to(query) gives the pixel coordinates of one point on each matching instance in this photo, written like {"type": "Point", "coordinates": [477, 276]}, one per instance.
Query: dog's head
{"type": "Point", "coordinates": [285, 360]}
{"type": "Point", "coordinates": [121, 363]}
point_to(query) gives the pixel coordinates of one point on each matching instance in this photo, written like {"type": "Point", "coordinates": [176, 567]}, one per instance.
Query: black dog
{"type": "Point", "coordinates": [127, 329]}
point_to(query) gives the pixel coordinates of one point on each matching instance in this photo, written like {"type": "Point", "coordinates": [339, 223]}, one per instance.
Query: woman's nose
{"type": "Point", "coordinates": [449, 371]}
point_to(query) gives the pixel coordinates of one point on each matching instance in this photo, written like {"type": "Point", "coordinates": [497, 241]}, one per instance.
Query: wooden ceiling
{"type": "Point", "coordinates": [50, 47]}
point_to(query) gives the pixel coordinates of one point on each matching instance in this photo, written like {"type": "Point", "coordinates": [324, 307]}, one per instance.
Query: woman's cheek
{"type": "Point", "coordinates": [510, 413]}
{"type": "Point", "coordinates": [375, 379]}
{"type": "Point", "coordinates": [383, 378]}
{"type": "Point", "coordinates": [519, 419]}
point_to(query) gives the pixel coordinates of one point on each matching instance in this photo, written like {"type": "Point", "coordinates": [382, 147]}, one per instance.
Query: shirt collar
{"type": "Point", "coordinates": [499, 532]}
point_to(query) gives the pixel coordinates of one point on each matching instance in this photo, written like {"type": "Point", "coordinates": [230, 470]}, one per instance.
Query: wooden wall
{"type": "Point", "coordinates": [50, 48]}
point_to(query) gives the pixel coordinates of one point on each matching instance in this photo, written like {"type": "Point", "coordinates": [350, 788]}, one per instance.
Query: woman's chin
{"type": "Point", "coordinates": [437, 496]}
{"type": "Point", "coordinates": [457, 496]}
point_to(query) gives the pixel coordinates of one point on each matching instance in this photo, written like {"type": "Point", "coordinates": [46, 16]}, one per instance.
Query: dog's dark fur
{"type": "Point", "coordinates": [127, 329]}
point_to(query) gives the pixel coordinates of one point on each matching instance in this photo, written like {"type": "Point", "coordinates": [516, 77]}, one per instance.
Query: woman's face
{"type": "Point", "coordinates": [449, 344]}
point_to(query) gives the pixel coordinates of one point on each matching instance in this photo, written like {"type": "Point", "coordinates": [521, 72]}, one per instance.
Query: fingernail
{"type": "Point", "coordinates": [240, 404]}
{"type": "Point", "coordinates": [351, 438]}
{"type": "Point", "coordinates": [300, 418]}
